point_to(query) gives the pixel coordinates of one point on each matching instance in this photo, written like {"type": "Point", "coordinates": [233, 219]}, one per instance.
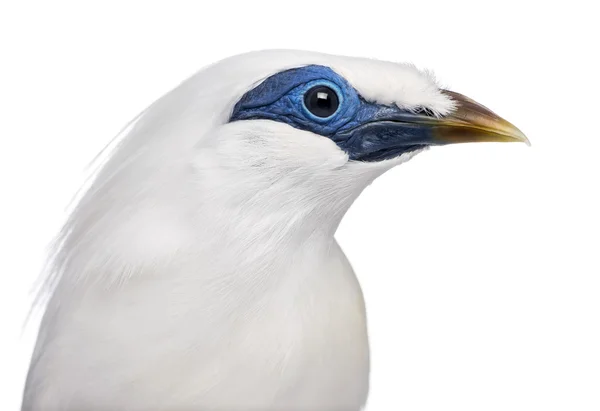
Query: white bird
{"type": "Point", "coordinates": [200, 270]}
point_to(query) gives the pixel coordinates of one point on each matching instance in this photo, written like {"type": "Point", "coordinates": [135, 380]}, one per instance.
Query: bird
{"type": "Point", "coordinates": [200, 270]}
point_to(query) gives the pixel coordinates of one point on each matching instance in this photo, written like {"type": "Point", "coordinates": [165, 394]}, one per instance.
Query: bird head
{"type": "Point", "coordinates": [315, 129]}
{"type": "Point", "coordinates": [267, 143]}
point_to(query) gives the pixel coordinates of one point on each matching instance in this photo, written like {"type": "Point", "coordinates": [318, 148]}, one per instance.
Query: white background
{"type": "Point", "coordinates": [479, 263]}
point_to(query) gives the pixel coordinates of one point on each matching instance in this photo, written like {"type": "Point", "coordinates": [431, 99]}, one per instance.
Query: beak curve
{"type": "Point", "coordinates": [471, 122]}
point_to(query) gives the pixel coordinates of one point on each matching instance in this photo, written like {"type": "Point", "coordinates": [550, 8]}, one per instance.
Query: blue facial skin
{"type": "Point", "coordinates": [365, 130]}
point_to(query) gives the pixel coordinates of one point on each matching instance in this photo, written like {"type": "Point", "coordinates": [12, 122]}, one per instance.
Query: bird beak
{"type": "Point", "coordinates": [471, 122]}
{"type": "Point", "coordinates": [394, 131]}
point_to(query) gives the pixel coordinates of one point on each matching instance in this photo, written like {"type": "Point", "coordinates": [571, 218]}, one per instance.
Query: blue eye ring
{"type": "Point", "coordinates": [321, 83]}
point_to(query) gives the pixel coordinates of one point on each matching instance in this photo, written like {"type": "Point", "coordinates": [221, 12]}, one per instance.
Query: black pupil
{"type": "Point", "coordinates": [321, 101]}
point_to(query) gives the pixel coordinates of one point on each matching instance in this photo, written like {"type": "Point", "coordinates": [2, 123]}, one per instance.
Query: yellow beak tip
{"type": "Point", "coordinates": [522, 138]}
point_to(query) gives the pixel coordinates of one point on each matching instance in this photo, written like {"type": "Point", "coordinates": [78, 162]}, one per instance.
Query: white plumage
{"type": "Point", "coordinates": [200, 270]}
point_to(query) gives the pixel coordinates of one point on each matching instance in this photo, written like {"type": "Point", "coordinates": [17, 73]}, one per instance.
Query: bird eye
{"type": "Point", "coordinates": [321, 101]}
